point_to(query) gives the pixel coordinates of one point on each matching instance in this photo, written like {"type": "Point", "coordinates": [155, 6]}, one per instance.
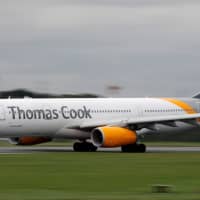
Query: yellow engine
{"type": "Point", "coordinates": [113, 136]}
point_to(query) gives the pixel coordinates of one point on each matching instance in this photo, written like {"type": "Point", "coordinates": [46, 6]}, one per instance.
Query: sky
{"type": "Point", "coordinates": [147, 47]}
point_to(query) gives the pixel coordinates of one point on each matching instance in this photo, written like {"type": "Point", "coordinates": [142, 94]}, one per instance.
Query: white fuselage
{"type": "Point", "coordinates": [46, 117]}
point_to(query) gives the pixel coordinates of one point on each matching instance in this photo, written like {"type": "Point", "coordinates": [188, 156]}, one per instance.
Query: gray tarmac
{"type": "Point", "coordinates": [36, 149]}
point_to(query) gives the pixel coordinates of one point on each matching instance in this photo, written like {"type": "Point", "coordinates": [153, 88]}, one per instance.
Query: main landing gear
{"type": "Point", "coordinates": [84, 147]}
{"type": "Point", "coordinates": [89, 147]}
{"type": "Point", "coordinates": [134, 148]}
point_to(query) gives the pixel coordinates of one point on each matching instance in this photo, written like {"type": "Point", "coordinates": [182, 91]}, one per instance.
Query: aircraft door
{"type": "Point", "coordinates": [2, 113]}
{"type": "Point", "coordinates": [198, 107]}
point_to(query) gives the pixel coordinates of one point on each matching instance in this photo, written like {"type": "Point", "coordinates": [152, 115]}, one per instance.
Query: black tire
{"type": "Point", "coordinates": [142, 148]}
{"type": "Point", "coordinates": [78, 147]}
{"type": "Point", "coordinates": [84, 147]}
{"type": "Point", "coordinates": [92, 148]}
{"type": "Point", "coordinates": [124, 149]}
{"type": "Point", "coordinates": [130, 148]}
{"type": "Point", "coordinates": [134, 148]}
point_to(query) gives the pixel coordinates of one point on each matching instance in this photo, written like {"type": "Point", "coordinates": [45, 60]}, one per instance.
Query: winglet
{"type": "Point", "coordinates": [196, 96]}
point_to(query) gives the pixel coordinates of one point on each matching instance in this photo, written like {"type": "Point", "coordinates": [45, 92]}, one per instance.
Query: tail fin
{"type": "Point", "coordinates": [196, 96]}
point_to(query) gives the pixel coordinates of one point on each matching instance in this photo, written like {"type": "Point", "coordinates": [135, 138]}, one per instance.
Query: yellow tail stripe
{"type": "Point", "coordinates": [187, 108]}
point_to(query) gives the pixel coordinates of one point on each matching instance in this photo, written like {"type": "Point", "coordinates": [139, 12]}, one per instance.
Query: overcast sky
{"type": "Point", "coordinates": [148, 47]}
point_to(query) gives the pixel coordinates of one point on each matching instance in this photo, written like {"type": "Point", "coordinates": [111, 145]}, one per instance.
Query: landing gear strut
{"type": "Point", "coordinates": [134, 148]}
{"type": "Point", "coordinates": [84, 147]}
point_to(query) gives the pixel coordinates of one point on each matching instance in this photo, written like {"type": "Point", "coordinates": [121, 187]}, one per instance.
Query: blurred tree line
{"type": "Point", "coordinates": [21, 93]}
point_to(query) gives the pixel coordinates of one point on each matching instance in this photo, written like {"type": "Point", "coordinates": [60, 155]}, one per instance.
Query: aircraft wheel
{"type": "Point", "coordinates": [134, 148]}
{"type": "Point", "coordinates": [77, 146]}
{"type": "Point", "coordinates": [91, 147]}
{"type": "Point", "coordinates": [129, 148]}
{"type": "Point", "coordinates": [142, 148]}
{"type": "Point", "coordinates": [84, 147]}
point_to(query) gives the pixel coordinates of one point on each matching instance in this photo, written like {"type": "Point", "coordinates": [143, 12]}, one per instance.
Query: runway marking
{"type": "Point", "coordinates": [13, 153]}
{"type": "Point", "coordinates": [27, 150]}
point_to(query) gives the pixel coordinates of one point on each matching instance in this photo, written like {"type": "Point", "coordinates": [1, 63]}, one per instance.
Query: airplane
{"type": "Point", "coordinates": [96, 122]}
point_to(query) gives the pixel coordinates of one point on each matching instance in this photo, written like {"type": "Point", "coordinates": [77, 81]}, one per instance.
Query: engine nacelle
{"type": "Point", "coordinates": [29, 140]}
{"type": "Point", "coordinates": [113, 136]}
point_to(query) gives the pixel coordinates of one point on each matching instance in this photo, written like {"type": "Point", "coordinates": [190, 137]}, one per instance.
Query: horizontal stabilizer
{"type": "Point", "coordinates": [196, 96]}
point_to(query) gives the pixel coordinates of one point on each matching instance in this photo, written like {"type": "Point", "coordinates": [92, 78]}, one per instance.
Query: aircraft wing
{"type": "Point", "coordinates": [146, 122]}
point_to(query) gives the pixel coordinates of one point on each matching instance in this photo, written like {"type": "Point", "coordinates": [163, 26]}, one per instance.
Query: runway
{"type": "Point", "coordinates": [35, 149]}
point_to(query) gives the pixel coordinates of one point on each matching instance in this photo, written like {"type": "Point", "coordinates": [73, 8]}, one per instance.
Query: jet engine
{"type": "Point", "coordinates": [113, 136]}
{"type": "Point", "coordinates": [29, 140]}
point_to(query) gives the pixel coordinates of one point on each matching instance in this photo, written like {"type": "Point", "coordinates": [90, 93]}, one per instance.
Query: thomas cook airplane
{"type": "Point", "coordinates": [100, 122]}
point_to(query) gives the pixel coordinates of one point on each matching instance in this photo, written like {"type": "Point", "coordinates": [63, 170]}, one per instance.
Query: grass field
{"type": "Point", "coordinates": [98, 176]}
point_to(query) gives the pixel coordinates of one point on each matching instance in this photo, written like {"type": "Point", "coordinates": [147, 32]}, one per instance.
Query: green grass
{"type": "Point", "coordinates": [100, 176]}
{"type": "Point", "coordinates": [173, 144]}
